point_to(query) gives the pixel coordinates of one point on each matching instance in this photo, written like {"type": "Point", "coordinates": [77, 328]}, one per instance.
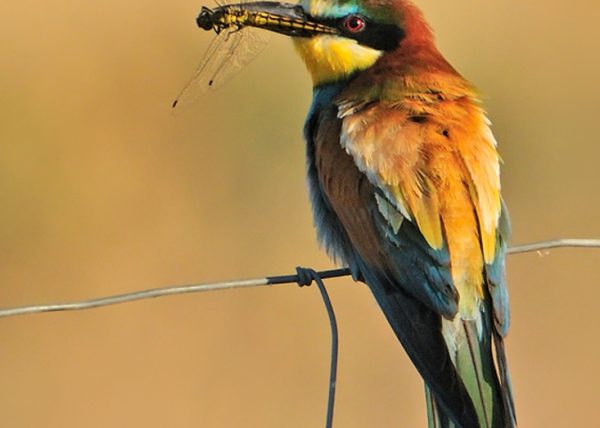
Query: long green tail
{"type": "Point", "coordinates": [490, 392]}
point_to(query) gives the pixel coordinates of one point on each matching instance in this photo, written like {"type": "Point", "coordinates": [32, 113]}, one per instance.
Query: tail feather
{"type": "Point", "coordinates": [467, 385]}
{"type": "Point", "coordinates": [419, 330]}
{"type": "Point", "coordinates": [507, 396]}
{"type": "Point", "coordinates": [435, 418]}
{"type": "Point", "coordinates": [470, 348]}
{"type": "Point", "coordinates": [475, 366]}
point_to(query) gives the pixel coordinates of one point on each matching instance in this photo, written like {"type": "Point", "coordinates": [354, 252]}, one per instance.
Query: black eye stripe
{"type": "Point", "coordinates": [383, 37]}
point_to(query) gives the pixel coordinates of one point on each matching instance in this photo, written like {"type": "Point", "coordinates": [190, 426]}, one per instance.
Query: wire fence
{"type": "Point", "coordinates": [248, 283]}
{"type": "Point", "coordinates": [302, 277]}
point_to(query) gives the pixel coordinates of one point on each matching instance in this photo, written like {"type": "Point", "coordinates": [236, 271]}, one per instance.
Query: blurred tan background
{"type": "Point", "coordinates": [104, 191]}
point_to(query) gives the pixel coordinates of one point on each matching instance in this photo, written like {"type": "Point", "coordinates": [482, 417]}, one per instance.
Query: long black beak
{"type": "Point", "coordinates": [284, 18]}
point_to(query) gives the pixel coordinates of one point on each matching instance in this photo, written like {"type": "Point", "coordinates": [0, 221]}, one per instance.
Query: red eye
{"type": "Point", "coordinates": [354, 23]}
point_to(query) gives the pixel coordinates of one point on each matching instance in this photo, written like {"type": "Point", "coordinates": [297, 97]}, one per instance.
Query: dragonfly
{"type": "Point", "coordinates": [239, 39]}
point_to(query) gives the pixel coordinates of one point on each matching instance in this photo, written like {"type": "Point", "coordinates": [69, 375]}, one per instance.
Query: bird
{"type": "Point", "coordinates": [404, 182]}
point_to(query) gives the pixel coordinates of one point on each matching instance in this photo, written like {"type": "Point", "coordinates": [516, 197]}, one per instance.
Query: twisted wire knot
{"type": "Point", "coordinates": [306, 276]}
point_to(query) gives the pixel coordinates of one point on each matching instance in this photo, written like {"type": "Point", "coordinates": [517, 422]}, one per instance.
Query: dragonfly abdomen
{"type": "Point", "coordinates": [235, 17]}
{"type": "Point", "coordinates": [273, 22]}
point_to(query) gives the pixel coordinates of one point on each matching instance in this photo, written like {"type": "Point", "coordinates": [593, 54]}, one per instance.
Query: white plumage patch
{"type": "Point", "coordinates": [391, 215]}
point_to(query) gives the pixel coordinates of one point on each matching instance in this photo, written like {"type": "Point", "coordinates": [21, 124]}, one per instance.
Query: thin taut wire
{"type": "Point", "coordinates": [248, 283]}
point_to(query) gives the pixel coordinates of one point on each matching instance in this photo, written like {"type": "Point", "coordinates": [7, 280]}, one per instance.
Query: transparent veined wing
{"type": "Point", "coordinates": [231, 50]}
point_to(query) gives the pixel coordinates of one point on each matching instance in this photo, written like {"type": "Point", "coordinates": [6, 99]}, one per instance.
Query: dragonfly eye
{"type": "Point", "coordinates": [354, 23]}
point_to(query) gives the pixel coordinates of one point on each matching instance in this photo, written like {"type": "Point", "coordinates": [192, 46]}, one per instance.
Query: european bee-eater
{"type": "Point", "coordinates": [404, 182]}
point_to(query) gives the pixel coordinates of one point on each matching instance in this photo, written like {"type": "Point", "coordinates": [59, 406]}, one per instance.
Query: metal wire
{"type": "Point", "coordinates": [306, 277]}
{"type": "Point", "coordinates": [248, 283]}
{"type": "Point", "coordinates": [303, 277]}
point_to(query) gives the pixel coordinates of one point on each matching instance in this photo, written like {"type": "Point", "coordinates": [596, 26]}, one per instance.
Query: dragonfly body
{"type": "Point", "coordinates": [237, 16]}
{"type": "Point", "coordinates": [239, 40]}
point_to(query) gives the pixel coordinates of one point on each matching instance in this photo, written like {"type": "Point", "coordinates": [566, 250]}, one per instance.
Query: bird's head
{"type": "Point", "coordinates": [367, 30]}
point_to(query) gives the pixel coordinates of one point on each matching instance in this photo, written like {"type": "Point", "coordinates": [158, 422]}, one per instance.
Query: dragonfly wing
{"type": "Point", "coordinates": [199, 82]}
{"type": "Point", "coordinates": [249, 46]}
{"type": "Point", "coordinates": [227, 54]}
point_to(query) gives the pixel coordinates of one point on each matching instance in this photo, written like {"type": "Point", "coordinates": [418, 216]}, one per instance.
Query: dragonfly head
{"type": "Point", "coordinates": [205, 19]}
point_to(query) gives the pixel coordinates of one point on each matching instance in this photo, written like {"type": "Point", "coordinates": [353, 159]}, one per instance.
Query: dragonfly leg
{"type": "Point", "coordinates": [237, 28]}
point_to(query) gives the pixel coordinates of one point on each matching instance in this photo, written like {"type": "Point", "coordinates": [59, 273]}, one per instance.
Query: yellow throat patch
{"type": "Point", "coordinates": [331, 58]}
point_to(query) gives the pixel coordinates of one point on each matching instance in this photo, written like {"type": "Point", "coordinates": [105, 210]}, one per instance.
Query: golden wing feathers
{"type": "Point", "coordinates": [439, 168]}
